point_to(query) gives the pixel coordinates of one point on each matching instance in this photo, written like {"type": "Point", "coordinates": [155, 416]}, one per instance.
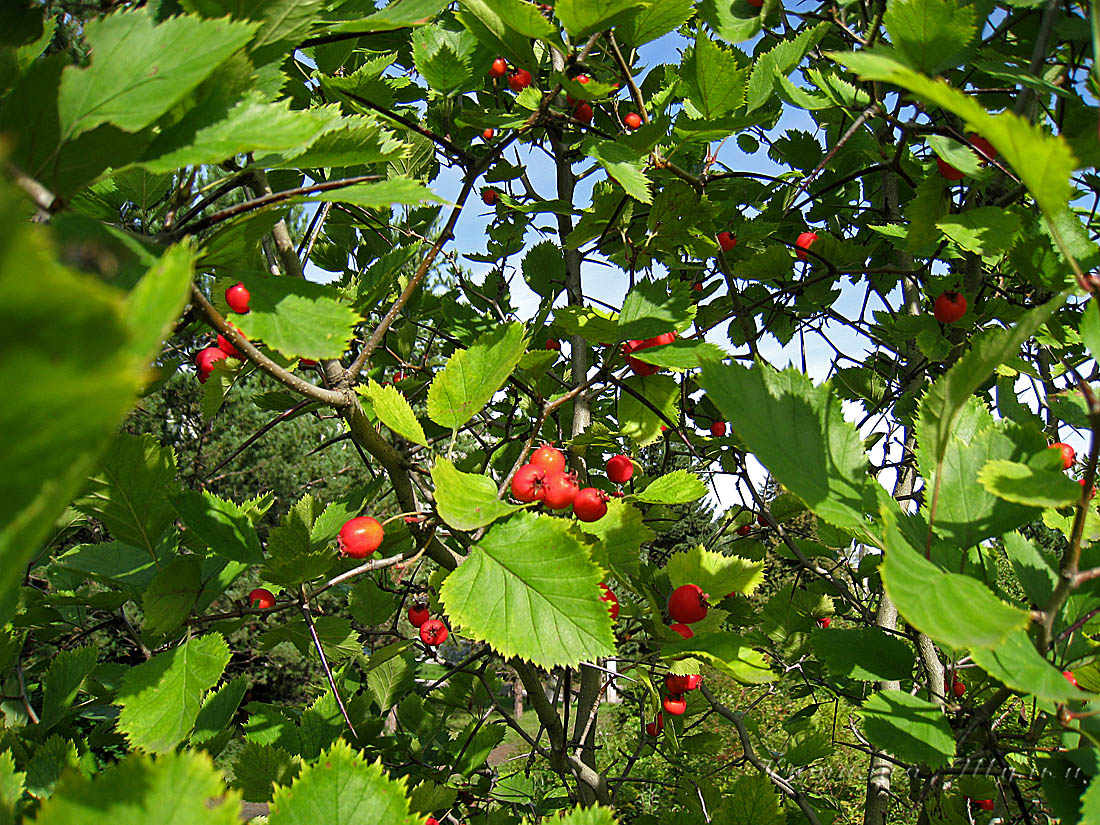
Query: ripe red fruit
{"type": "Point", "coordinates": [682, 629]}
{"type": "Point", "coordinates": [982, 146]}
{"type": "Point", "coordinates": [1069, 455]}
{"type": "Point", "coordinates": [682, 684]}
{"type": "Point", "coordinates": [590, 504]}
{"type": "Point", "coordinates": [498, 67]}
{"type": "Point", "coordinates": [726, 241]}
{"type": "Point", "coordinates": [1081, 481]}
{"type": "Point", "coordinates": [582, 78]}
{"type": "Point", "coordinates": [360, 536]}
{"type": "Point", "coordinates": [554, 344]}
{"type": "Point", "coordinates": [958, 688]}
{"type": "Point", "coordinates": [698, 287]}
{"type": "Point", "coordinates": [824, 622]}
{"type": "Point", "coordinates": [520, 80]}
{"type": "Point", "coordinates": [583, 113]}
{"type": "Point", "coordinates": [549, 458]}
{"type": "Point", "coordinates": [306, 363]}
{"type": "Point", "coordinates": [620, 468]}
{"type": "Point", "coordinates": [433, 632]}
{"type": "Point", "coordinates": [633, 120]}
{"type": "Point", "coordinates": [984, 804]}
{"type": "Point", "coordinates": [639, 367]}
{"type": "Point", "coordinates": [487, 135]}
{"type": "Point", "coordinates": [656, 726]}
{"type": "Point", "coordinates": [490, 197]}
{"type": "Point", "coordinates": [755, 3]}
{"type": "Point", "coordinates": [238, 296]}
{"type": "Point", "coordinates": [418, 614]}
{"type": "Point", "coordinates": [612, 602]}
{"type": "Point", "coordinates": [718, 429]}
{"type": "Point", "coordinates": [763, 522]}
{"type": "Point", "coordinates": [949, 307]}
{"type": "Point", "coordinates": [561, 489]}
{"type": "Point", "coordinates": [744, 529]}
{"type": "Point", "coordinates": [262, 598]}
{"type": "Point", "coordinates": [948, 171]}
{"type": "Point", "coordinates": [529, 483]}
{"type": "Point", "coordinates": [1070, 677]}
{"type": "Point", "coordinates": [804, 242]}
{"type": "Point", "coordinates": [206, 359]}
{"type": "Point", "coordinates": [431, 820]}
{"type": "Point", "coordinates": [675, 705]}
{"type": "Point", "coordinates": [687, 604]}
{"type": "Point", "coordinates": [226, 346]}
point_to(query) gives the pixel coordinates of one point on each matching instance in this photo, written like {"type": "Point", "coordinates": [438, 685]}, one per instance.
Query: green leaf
{"type": "Point", "coordinates": [259, 769]}
{"type": "Point", "coordinates": [298, 318]}
{"type": "Point", "coordinates": [591, 324]}
{"type": "Point", "coordinates": [798, 432]}
{"type": "Point", "coordinates": [908, 728]}
{"type": "Point", "coordinates": [370, 605]}
{"type": "Point", "coordinates": [583, 17]}
{"type": "Point", "coordinates": [172, 595]}
{"type": "Point", "coordinates": [392, 678]}
{"type": "Point", "coordinates": [360, 140]}
{"type": "Point", "coordinates": [866, 654]}
{"type": "Point", "coordinates": [717, 574]}
{"type": "Point", "coordinates": [923, 212]}
{"type": "Point", "coordinates": [140, 70]}
{"type": "Point", "coordinates": [531, 572]}
{"type": "Point", "coordinates": [439, 63]}
{"type": "Point", "coordinates": [780, 62]}
{"type": "Point", "coordinates": [726, 652]}
{"type": "Point", "coordinates": [681, 354]}
{"type": "Point", "coordinates": [1033, 569]}
{"type": "Point", "coordinates": [649, 309]}
{"type": "Point", "coordinates": [750, 798]}
{"type": "Point", "coordinates": [636, 420]}
{"type": "Point", "coordinates": [655, 19]}
{"type": "Point", "coordinates": [1035, 487]}
{"type": "Point", "coordinates": [623, 164]}
{"type": "Point", "coordinates": [342, 788]}
{"type": "Point", "coordinates": [338, 639]}
{"type": "Point", "coordinates": [717, 78]}
{"type": "Point", "coordinates": [161, 698]}
{"type": "Point", "coordinates": [544, 269]}
{"type": "Point", "coordinates": [182, 788]}
{"type": "Point", "coordinates": [929, 34]}
{"type": "Point", "coordinates": [988, 230]}
{"type": "Point", "coordinates": [477, 744]}
{"type": "Point", "coordinates": [155, 304]}
{"type": "Point", "coordinates": [677, 487]}
{"type": "Point", "coordinates": [621, 533]}
{"type": "Point", "coordinates": [219, 524]}
{"type": "Point", "coordinates": [396, 413]}
{"type": "Point", "coordinates": [12, 787]}
{"type": "Point", "coordinates": [956, 610]}
{"type": "Point", "coordinates": [218, 710]}
{"type": "Point", "coordinates": [1017, 663]}
{"type": "Point", "coordinates": [282, 22]}
{"type": "Point", "coordinates": [117, 564]}
{"type": "Point", "coordinates": [473, 376]}
{"type": "Point", "coordinates": [466, 501]}
{"type": "Point", "coordinates": [400, 14]}
{"type": "Point", "coordinates": [62, 682]}
{"type": "Point", "coordinates": [484, 21]}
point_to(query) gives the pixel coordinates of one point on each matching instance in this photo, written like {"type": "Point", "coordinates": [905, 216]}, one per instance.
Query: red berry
{"type": "Point", "coordinates": [984, 804]}
{"type": "Point", "coordinates": [431, 820]}
{"type": "Point", "coordinates": [982, 146]}
{"type": "Point", "coordinates": [529, 483]}
{"type": "Point", "coordinates": [1081, 481]}
{"type": "Point", "coordinates": [948, 171]}
{"type": "Point", "coordinates": [554, 344]}
{"type": "Point", "coordinates": [804, 242]}
{"type": "Point", "coordinates": [1070, 677]}
{"type": "Point", "coordinates": [763, 522]}
{"type": "Point", "coordinates": [949, 307]}
{"type": "Point", "coordinates": [633, 120]}
{"type": "Point", "coordinates": [582, 78]}
{"type": "Point", "coordinates": [262, 598]}
{"type": "Point", "coordinates": [206, 359]}
{"type": "Point", "coordinates": [583, 113]}
{"type": "Point", "coordinates": [590, 504]}
{"type": "Point", "coordinates": [612, 602]}
{"type": "Point", "coordinates": [620, 468]}
{"type": "Point", "coordinates": [958, 688]}
{"type": "Point", "coordinates": [1069, 455]}
{"type": "Point", "coordinates": [656, 726]}
{"type": "Point", "coordinates": [639, 367]}
{"type": "Point", "coordinates": [687, 604]}
{"type": "Point", "coordinates": [824, 622]}
{"type": "Point", "coordinates": [744, 529]}
{"type": "Point", "coordinates": [487, 135]}
{"type": "Point", "coordinates": [226, 346]}
{"type": "Point", "coordinates": [755, 3]}
{"type": "Point", "coordinates": [520, 80]}
{"type": "Point", "coordinates": [682, 629]}
{"type": "Point", "coordinates": [498, 67]}
{"type": "Point", "coordinates": [238, 296]}
{"type": "Point", "coordinates": [718, 429]}
{"type": "Point", "coordinates": [490, 197]}
{"type": "Point", "coordinates": [698, 287]}
{"type": "Point", "coordinates": [549, 458]}
{"type": "Point", "coordinates": [433, 632]}
{"type": "Point", "coordinates": [726, 241]}
{"type": "Point", "coordinates": [418, 614]}
{"type": "Point", "coordinates": [682, 684]}
{"type": "Point", "coordinates": [360, 536]}
{"type": "Point", "coordinates": [561, 489]}
{"type": "Point", "coordinates": [306, 363]}
{"type": "Point", "coordinates": [675, 705]}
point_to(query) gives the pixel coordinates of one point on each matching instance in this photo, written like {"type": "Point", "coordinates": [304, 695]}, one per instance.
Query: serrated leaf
{"type": "Point", "coordinates": [986, 230]}
{"type": "Point", "coordinates": [483, 20]}
{"type": "Point", "coordinates": [259, 769]}
{"type": "Point", "coordinates": [929, 33]}
{"type": "Point", "coordinates": [399, 14]}
{"type": "Point", "coordinates": [369, 604]}
{"type": "Point", "coordinates": [477, 744]}
{"type": "Point", "coordinates": [681, 354]}
{"type": "Point", "coordinates": [780, 61]}
{"type": "Point", "coordinates": [359, 140]}
{"type": "Point", "coordinates": [866, 654]}
{"type": "Point", "coordinates": [392, 679]}
{"type": "Point", "coordinates": [716, 76]}
{"type": "Point", "coordinates": [621, 533]}
{"type": "Point", "coordinates": [396, 413]}
{"type": "Point", "coordinates": [62, 682]}
{"type": "Point", "coordinates": [466, 501]}
{"type": "Point", "coordinates": [12, 786]}
{"type": "Point", "coordinates": [726, 652]}
{"type": "Point", "coordinates": [218, 709]}
{"type": "Point", "coordinates": [473, 376]}
{"type": "Point", "coordinates": [1022, 484]}
{"type": "Point", "coordinates": [531, 571]}
{"type": "Point", "coordinates": [219, 524]}
{"type": "Point", "coordinates": [650, 309]}
{"type": "Point", "coordinates": [717, 574]}
{"type": "Point", "coordinates": [637, 421]}
{"type": "Point", "coordinates": [292, 557]}
{"type": "Point", "coordinates": [544, 269]}
{"type": "Point", "coordinates": [161, 698]}
{"type": "Point", "coordinates": [751, 798]}
{"type": "Point", "coordinates": [908, 728]}
{"type": "Point", "coordinates": [171, 595]}
{"type": "Point", "coordinates": [338, 639]}
{"type": "Point", "coordinates": [923, 211]}
{"type": "Point", "coordinates": [677, 487]}
{"type": "Point", "coordinates": [623, 164]}
{"type": "Point", "coordinates": [583, 17]}
{"type": "Point", "coordinates": [591, 324]}
{"type": "Point", "coordinates": [1017, 663]}
{"type": "Point", "coordinates": [442, 67]}
{"type": "Point", "coordinates": [655, 19]}
{"type": "Point", "coordinates": [155, 303]}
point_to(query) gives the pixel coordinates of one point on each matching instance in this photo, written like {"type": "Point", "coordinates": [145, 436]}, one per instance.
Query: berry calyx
{"type": "Point", "coordinates": [498, 68]}
{"type": "Point", "coordinates": [612, 602]}
{"type": "Point", "coordinates": [718, 429]}
{"type": "Point", "coordinates": [824, 622]}
{"type": "Point", "coordinates": [1069, 455]}
{"type": "Point", "coordinates": [726, 241]}
{"type": "Point", "coordinates": [682, 684]}
{"type": "Point", "coordinates": [590, 504]}
{"type": "Point", "coordinates": [804, 242]}
{"type": "Point", "coordinates": [682, 629]}
{"type": "Point", "coordinates": [238, 297]}
{"type": "Point", "coordinates": [487, 135]}
{"type": "Point", "coordinates": [561, 489]}
{"type": "Point", "coordinates": [656, 726]}
{"type": "Point", "coordinates": [529, 483]}
{"type": "Point", "coordinates": [949, 307]}
{"type": "Point", "coordinates": [433, 632]}
{"type": "Point", "coordinates": [620, 468]}
{"type": "Point", "coordinates": [489, 196]}
{"type": "Point", "coordinates": [520, 80]}
{"type": "Point", "coordinates": [262, 598]}
{"type": "Point", "coordinates": [1070, 677]}
{"type": "Point", "coordinates": [687, 604]}
{"type": "Point", "coordinates": [554, 344]}
{"type": "Point", "coordinates": [633, 120]}
{"type": "Point", "coordinates": [549, 458]}
{"type": "Point", "coordinates": [675, 705]}
{"type": "Point", "coordinates": [360, 536]}
{"type": "Point", "coordinates": [583, 113]}
{"type": "Point", "coordinates": [418, 614]}
{"type": "Point", "coordinates": [206, 359]}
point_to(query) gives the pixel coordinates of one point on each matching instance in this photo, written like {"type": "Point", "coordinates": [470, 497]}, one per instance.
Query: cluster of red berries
{"type": "Point", "coordinates": [238, 297]}
{"type": "Point", "coordinates": [686, 605]}
{"type": "Point", "coordinates": [674, 702]}
{"type": "Point", "coordinates": [432, 631]}
{"type": "Point", "coordinates": [518, 79]}
{"type": "Point", "coordinates": [545, 479]}
{"type": "Point", "coordinates": [641, 367]}
{"type": "Point", "coordinates": [582, 109]}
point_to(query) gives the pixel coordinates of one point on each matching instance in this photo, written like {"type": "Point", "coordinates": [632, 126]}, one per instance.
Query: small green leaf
{"type": "Point", "coordinates": [219, 524]}
{"type": "Point", "coordinates": [717, 77]}
{"type": "Point", "coordinates": [583, 17]}
{"type": "Point", "coordinates": [259, 769]}
{"type": "Point", "coordinates": [750, 798]}
{"type": "Point", "coordinates": [987, 230]}
{"type": "Point", "coordinates": [591, 324]}
{"type": "Point", "coordinates": [929, 34]}
{"type": "Point", "coordinates": [393, 678]}
{"type": "Point", "coordinates": [637, 421]}
{"type": "Point", "coordinates": [482, 19]}
{"type": "Point", "coordinates": [726, 652]}
{"type": "Point", "coordinates": [677, 487]}
{"type": "Point", "coordinates": [655, 19]}
{"type": "Point", "coordinates": [621, 533]}
{"type": "Point", "coordinates": [717, 574]}
{"type": "Point", "coordinates": [396, 413]}
{"type": "Point", "coordinates": [62, 682]}
{"type": "Point", "coordinates": [866, 654]}
{"type": "Point", "coordinates": [218, 709]}
{"type": "Point", "coordinates": [400, 14]}
{"type": "Point", "coordinates": [681, 354]}
{"type": "Point", "coordinates": [370, 605]}
{"type": "Point", "coordinates": [292, 557]}
{"type": "Point", "coordinates": [172, 595]}
{"type": "Point", "coordinates": [623, 164]}
{"type": "Point", "coordinates": [466, 501]}
{"type": "Point", "coordinates": [909, 728]}
{"type": "Point", "coordinates": [1023, 484]}
{"type": "Point", "coordinates": [473, 376]}
{"type": "Point", "coordinates": [154, 305]}
{"type": "Point", "coordinates": [654, 308]}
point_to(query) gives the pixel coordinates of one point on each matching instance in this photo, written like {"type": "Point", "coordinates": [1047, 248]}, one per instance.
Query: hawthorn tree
{"type": "Point", "coordinates": [449, 233]}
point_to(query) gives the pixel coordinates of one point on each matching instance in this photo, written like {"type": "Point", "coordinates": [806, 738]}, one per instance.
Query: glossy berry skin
{"type": "Point", "coordinates": [498, 68]}
{"type": "Point", "coordinates": [639, 367]}
{"type": "Point", "coordinates": [1070, 677]}
{"type": "Point", "coordinates": [433, 632]}
{"type": "Point", "coordinates": [984, 804]}
{"type": "Point", "coordinates": [307, 363]}
{"type": "Point", "coordinates": [583, 113]}
{"type": "Point", "coordinates": [489, 197]}
{"type": "Point", "coordinates": [675, 705]}
{"type": "Point", "coordinates": [949, 307]}
{"type": "Point", "coordinates": [633, 120]}
{"type": "Point", "coordinates": [1069, 455]}
{"type": "Point", "coordinates": [718, 429]}
{"type": "Point", "coordinates": [554, 344]}
{"type": "Point", "coordinates": [561, 490]}
{"type": "Point", "coordinates": [206, 359]}
{"type": "Point", "coordinates": [262, 598]}
{"type": "Point", "coordinates": [744, 529]}
{"type": "Point", "coordinates": [656, 726]}
{"type": "Point", "coordinates": [418, 614]}
{"type": "Point", "coordinates": [682, 684]}
{"type": "Point", "coordinates": [620, 468]}
{"type": "Point", "coordinates": [687, 604]}
{"type": "Point", "coordinates": [726, 241]}
{"type": "Point", "coordinates": [612, 602]}
{"type": "Point", "coordinates": [804, 242]}
{"type": "Point", "coordinates": [682, 629]}
{"type": "Point", "coordinates": [958, 688]}
{"type": "Point", "coordinates": [948, 171]}
{"type": "Point", "coordinates": [238, 298]}
{"type": "Point", "coordinates": [529, 483]}
{"type": "Point", "coordinates": [590, 504]}
{"type": "Point", "coordinates": [549, 458]}
{"type": "Point", "coordinates": [698, 287]}
{"type": "Point", "coordinates": [520, 80]}
{"type": "Point", "coordinates": [360, 536]}
{"type": "Point", "coordinates": [431, 820]}
{"type": "Point", "coordinates": [582, 78]}
{"type": "Point", "coordinates": [824, 622]}
{"type": "Point", "coordinates": [487, 135]}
